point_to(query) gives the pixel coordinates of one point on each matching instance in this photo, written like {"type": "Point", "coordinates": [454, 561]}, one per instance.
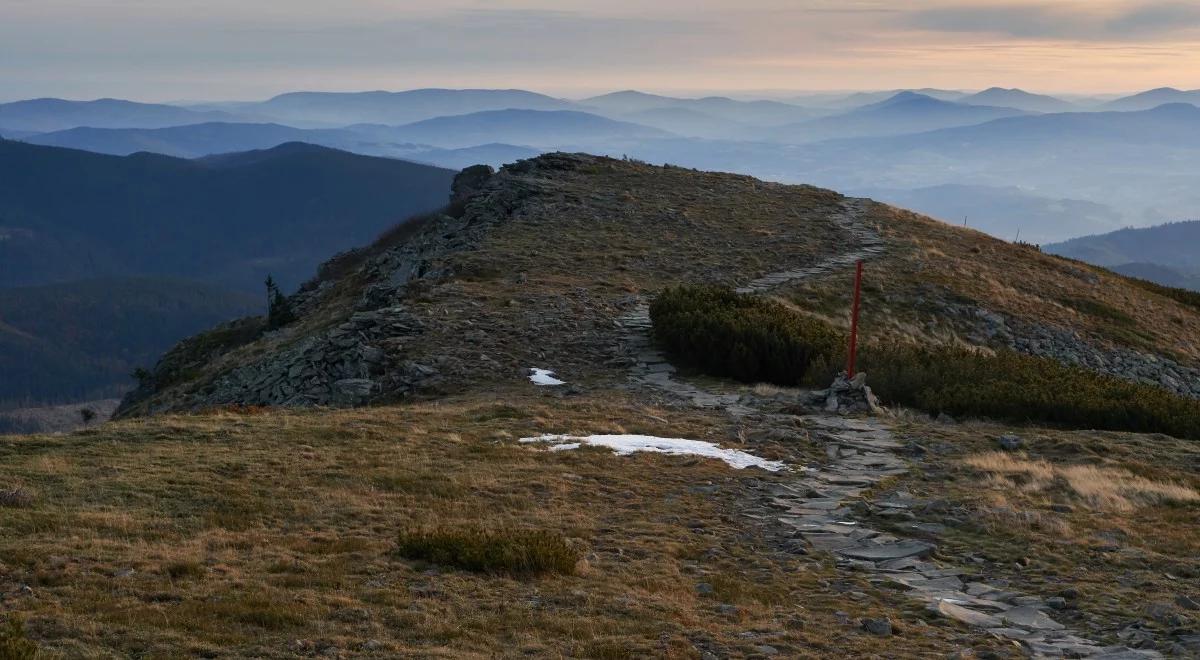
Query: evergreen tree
{"type": "Point", "coordinates": [279, 308]}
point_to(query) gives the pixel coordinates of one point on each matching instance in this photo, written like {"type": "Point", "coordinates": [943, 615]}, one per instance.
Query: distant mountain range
{"type": "Point", "coordinates": [1046, 150]}
{"type": "Point", "coordinates": [1166, 254]}
{"type": "Point", "coordinates": [228, 221]}
{"type": "Point", "coordinates": [633, 103]}
{"type": "Point", "coordinates": [192, 140]}
{"type": "Point", "coordinates": [904, 113]}
{"type": "Point", "coordinates": [859, 99]}
{"type": "Point", "coordinates": [1007, 212]}
{"type": "Point", "coordinates": [396, 107]}
{"type": "Point", "coordinates": [41, 115]}
{"type": "Point", "coordinates": [1173, 244]}
{"type": "Point", "coordinates": [1019, 99]}
{"type": "Point", "coordinates": [539, 128]}
{"type": "Point", "coordinates": [1152, 99]}
{"type": "Point", "coordinates": [197, 140]}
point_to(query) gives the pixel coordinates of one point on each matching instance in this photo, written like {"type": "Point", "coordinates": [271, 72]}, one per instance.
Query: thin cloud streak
{"type": "Point", "coordinates": [234, 49]}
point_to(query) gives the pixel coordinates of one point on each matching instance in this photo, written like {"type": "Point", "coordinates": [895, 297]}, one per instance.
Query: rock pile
{"type": "Point", "coordinates": [848, 396]}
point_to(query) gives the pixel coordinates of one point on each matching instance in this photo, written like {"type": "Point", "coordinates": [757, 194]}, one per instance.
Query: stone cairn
{"type": "Point", "coordinates": [848, 396]}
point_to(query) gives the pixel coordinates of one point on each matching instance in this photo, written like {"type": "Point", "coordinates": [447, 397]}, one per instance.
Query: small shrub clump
{"type": "Point", "coordinates": [15, 498]}
{"type": "Point", "coordinates": [514, 552]}
{"type": "Point", "coordinates": [747, 338]}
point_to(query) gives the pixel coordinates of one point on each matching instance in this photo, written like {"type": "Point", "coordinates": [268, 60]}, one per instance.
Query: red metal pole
{"type": "Point", "coordinates": [854, 320]}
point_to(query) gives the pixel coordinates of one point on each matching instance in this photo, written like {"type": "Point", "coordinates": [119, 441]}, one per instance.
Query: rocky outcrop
{"type": "Point", "coordinates": [346, 365]}
{"type": "Point", "coordinates": [364, 356]}
{"type": "Point", "coordinates": [1070, 347]}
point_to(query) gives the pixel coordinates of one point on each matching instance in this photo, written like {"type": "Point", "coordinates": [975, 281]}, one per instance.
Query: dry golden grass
{"type": "Point", "coordinates": [1122, 534]}
{"type": "Point", "coordinates": [928, 265]}
{"type": "Point", "coordinates": [1099, 487]}
{"type": "Point", "coordinates": [275, 534]}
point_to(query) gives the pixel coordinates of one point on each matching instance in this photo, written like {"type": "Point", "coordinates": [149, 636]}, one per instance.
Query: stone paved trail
{"type": "Point", "coordinates": [861, 452]}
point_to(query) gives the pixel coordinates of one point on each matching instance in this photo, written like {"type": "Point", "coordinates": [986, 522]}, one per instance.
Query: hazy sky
{"type": "Point", "coordinates": [226, 49]}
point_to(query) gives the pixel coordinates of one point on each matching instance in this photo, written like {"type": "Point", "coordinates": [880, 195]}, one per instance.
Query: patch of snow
{"type": "Point", "coordinates": [543, 377]}
{"type": "Point", "coordinates": [624, 445]}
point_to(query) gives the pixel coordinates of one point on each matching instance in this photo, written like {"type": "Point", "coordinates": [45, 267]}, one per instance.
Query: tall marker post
{"type": "Point", "coordinates": [853, 356]}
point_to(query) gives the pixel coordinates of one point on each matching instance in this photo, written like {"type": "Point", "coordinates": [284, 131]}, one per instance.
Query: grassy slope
{"type": "Point", "coordinates": [1120, 554]}
{"type": "Point", "coordinates": [929, 264]}
{"type": "Point", "coordinates": [246, 532]}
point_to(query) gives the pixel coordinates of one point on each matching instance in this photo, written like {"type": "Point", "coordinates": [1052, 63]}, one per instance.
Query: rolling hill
{"type": "Point", "coordinates": [1152, 99]}
{"type": "Point", "coordinates": [1004, 212]}
{"type": "Point", "coordinates": [1019, 99]}
{"type": "Point", "coordinates": [229, 221]}
{"type": "Point", "coordinates": [1172, 245]}
{"type": "Point", "coordinates": [762, 113]}
{"type": "Point", "coordinates": [43, 115]}
{"type": "Point", "coordinates": [404, 107]}
{"type": "Point", "coordinates": [905, 112]}
{"type": "Point", "coordinates": [192, 140]}
{"type": "Point", "coordinates": [859, 99]}
{"type": "Point", "coordinates": [534, 128]}
{"type": "Point", "coordinates": [199, 140]}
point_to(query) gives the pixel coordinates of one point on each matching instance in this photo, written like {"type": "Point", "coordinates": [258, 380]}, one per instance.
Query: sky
{"type": "Point", "coordinates": [172, 50]}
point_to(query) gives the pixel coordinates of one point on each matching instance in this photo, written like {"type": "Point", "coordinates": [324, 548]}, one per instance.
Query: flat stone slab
{"type": "Point", "coordinates": [828, 542]}
{"type": "Point", "coordinates": [889, 551]}
{"type": "Point", "coordinates": [969, 617]}
{"type": "Point", "coordinates": [1032, 618]}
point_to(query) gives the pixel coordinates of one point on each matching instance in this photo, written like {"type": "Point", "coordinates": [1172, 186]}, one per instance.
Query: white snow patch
{"type": "Point", "coordinates": [624, 445]}
{"type": "Point", "coordinates": [543, 377]}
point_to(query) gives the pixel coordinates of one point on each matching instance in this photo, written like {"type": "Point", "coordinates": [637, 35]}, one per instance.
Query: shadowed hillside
{"type": "Point", "coordinates": [229, 220]}
{"type": "Point", "coordinates": [82, 340]}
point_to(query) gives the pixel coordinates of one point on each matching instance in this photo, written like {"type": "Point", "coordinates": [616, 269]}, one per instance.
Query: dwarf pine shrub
{"type": "Point", "coordinates": [747, 338]}
{"type": "Point", "coordinates": [754, 339]}
{"type": "Point", "coordinates": [510, 551]}
{"type": "Point", "coordinates": [1022, 388]}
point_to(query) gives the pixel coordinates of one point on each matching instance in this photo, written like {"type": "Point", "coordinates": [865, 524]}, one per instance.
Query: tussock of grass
{"type": "Point", "coordinates": [514, 552]}
{"type": "Point", "coordinates": [13, 643]}
{"type": "Point", "coordinates": [1004, 519]}
{"type": "Point", "coordinates": [16, 498]}
{"type": "Point", "coordinates": [181, 570]}
{"type": "Point", "coordinates": [1101, 488]}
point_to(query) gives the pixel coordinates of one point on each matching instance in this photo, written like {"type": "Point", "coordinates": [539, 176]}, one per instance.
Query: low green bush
{"type": "Point", "coordinates": [753, 339]}
{"type": "Point", "coordinates": [510, 551]}
{"type": "Point", "coordinates": [747, 338]}
{"type": "Point", "coordinates": [1022, 388]}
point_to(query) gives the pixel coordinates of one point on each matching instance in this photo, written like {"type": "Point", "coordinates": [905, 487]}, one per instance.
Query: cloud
{"type": "Point", "coordinates": [1053, 21]}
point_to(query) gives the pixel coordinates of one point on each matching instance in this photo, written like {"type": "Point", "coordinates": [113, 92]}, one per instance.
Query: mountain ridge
{"type": "Point", "coordinates": [419, 298]}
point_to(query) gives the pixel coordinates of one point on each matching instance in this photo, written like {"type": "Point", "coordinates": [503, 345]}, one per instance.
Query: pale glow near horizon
{"type": "Point", "coordinates": [222, 49]}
